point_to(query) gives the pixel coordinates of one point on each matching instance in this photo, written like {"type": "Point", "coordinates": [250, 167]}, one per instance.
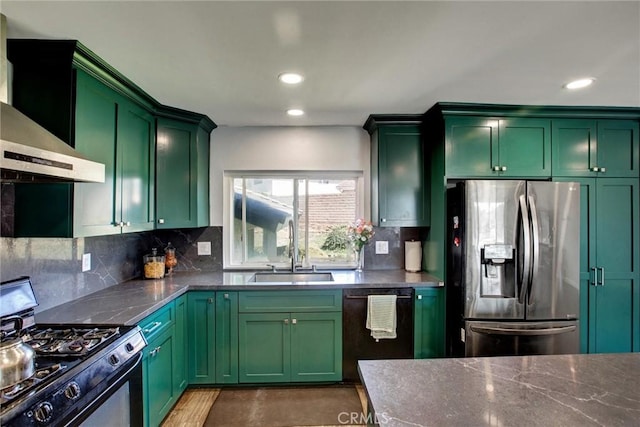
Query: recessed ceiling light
{"type": "Point", "coordinates": [290, 78]}
{"type": "Point", "coordinates": [295, 112]}
{"type": "Point", "coordinates": [580, 83]}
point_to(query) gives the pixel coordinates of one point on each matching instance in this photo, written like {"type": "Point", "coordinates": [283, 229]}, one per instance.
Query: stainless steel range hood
{"type": "Point", "coordinates": [30, 153]}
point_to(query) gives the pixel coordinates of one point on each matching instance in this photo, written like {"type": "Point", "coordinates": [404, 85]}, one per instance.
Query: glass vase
{"type": "Point", "coordinates": [359, 259]}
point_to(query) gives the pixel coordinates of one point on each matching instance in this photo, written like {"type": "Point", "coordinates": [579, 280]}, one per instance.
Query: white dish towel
{"type": "Point", "coordinates": [381, 316]}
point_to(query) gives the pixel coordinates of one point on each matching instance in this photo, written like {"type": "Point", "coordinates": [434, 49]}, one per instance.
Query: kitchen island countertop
{"type": "Point", "coordinates": [130, 302]}
{"type": "Point", "coordinates": [555, 390]}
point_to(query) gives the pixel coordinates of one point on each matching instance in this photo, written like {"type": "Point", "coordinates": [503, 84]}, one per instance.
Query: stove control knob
{"type": "Point", "coordinates": [114, 359]}
{"type": "Point", "coordinates": [43, 412]}
{"type": "Point", "coordinates": [72, 391]}
{"type": "Point", "coordinates": [129, 347]}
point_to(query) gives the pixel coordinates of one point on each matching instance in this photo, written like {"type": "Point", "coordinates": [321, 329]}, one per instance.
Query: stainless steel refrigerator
{"type": "Point", "coordinates": [513, 268]}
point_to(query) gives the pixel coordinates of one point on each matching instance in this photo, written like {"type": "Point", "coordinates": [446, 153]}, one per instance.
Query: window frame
{"type": "Point", "coordinates": [295, 176]}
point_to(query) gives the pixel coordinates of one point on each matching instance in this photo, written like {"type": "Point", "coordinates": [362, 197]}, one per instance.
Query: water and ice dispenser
{"type": "Point", "coordinates": [498, 271]}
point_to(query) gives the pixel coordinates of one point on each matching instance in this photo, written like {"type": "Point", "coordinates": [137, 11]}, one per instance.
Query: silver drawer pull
{"type": "Point", "coordinates": [154, 326]}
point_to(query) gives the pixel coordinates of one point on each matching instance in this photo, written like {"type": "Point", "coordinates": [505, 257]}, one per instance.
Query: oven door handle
{"type": "Point", "coordinates": [489, 330]}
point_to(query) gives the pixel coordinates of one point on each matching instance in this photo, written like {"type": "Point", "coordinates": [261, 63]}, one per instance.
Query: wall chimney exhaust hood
{"type": "Point", "coordinates": [29, 152]}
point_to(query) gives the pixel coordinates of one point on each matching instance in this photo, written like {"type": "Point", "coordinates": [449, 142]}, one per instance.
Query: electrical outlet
{"type": "Point", "coordinates": [204, 248]}
{"type": "Point", "coordinates": [86, 262]}
{"type": "Point", "coordinates": [382, 247]}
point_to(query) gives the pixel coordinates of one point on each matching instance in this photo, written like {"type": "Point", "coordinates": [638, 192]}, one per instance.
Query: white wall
{"type": "Point", "coordinates": [339, 148]}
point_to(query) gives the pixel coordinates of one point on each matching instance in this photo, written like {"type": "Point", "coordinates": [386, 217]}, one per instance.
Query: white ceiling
{"type": "Point", "coordinates": [358, 58]}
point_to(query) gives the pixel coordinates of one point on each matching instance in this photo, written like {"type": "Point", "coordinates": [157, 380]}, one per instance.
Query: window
{"type": "Point", "coordinates": [270, 217]}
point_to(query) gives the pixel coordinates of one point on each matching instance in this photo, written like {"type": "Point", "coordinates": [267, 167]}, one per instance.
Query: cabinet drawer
{"type": "Point", "coordinates": [287, 301]}
{"type": "Point", "coordinates": [158, 322]}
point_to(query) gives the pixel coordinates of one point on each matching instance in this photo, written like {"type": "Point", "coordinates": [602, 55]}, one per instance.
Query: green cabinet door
{"type": "Point", "coordinates": [176, 174]}
{"type": "Point", "coordinates": [590, 148]}
{"type": "Point", "coordinates": [95, 136]}
{"type": "Point", "coordinates": [316, 350]}
{"type": "Point", "coordinates": [614, 310]}
{"type": "Point", "coordinates": [226, 345]}
{"type": "Point", "coordinates": [574, 147]}
{"type": "Point", "coordinates": [264, 348]}
{"type": "Point", "coordinates": [618, 148]}
{"type": "Point", "coordinates": [135, 197]}
{"type": "Point", "coordinates": [471, 147]}
{"type": "Point", "coordinates": [180, 372]}
{"type": "Point", "coordinates": [402, 191]}
{"type": "Point", "coordinates": [524, 147]}
{"type": "Point", "coordinates": [485, 147]}
{"type": "Point", "coordinates": [159, 388]}
{"type": "Point", "coordinates": [201, 337]}
{"type": "Point", "coordinates": [609, 294]}
{"type": "Point", "coordinates": [429, 323]}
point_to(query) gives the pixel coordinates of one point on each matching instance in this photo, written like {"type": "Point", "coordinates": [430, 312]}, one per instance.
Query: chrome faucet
{"type": "Point", "coordinates": [292, 249]}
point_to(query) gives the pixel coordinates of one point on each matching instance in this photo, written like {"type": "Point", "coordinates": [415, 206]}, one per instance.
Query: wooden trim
{"type": "Point", "coordinates": [374, 120]}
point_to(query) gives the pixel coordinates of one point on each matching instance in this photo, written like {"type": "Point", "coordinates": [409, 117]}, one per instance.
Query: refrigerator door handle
{"type": "Point", "coordinates": [594, 282]}
{"type": "Point", "coordinates": [526, 231]}
{"type": "Point", "coordinates": [536, 247]}
{"type": "Point", "coordinates": [493, 330]}
{"type": "Point", "coordinates": [601, 282]}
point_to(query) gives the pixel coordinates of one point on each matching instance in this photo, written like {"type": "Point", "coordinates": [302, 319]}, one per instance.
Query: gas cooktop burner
{"type": "Point", "coordinates": [69, 342]}
{"type": "Point", "coordinates": [24, 386]}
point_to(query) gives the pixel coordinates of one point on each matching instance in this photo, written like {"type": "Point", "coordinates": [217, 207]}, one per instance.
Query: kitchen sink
{"type": "Point", "coordinates": [286, 276]}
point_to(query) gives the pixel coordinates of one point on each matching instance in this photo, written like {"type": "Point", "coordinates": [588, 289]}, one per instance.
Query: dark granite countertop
{"type": "Point", "coordinates": [130, 302]}
{"type": "Point", "coordinates": [560, 390]}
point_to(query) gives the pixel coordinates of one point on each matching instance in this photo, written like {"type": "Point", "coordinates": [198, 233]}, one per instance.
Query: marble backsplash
{"type": "Point", "coordinates": [55, 264]}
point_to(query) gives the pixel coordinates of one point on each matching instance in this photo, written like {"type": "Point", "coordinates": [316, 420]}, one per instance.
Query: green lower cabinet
{"type": "Point", "coordinates": [300, 345]}
{"type": "Point", "coordinates": [316, 347]}
{"type": "Point", "coordinates": [264, 347]}
{"type": "Point", "coordinates": [429, 323]}
{"type": "Point", "coordinates": [202, 337]}
{"type": "Point", "coordinates": [226, 345]}
{"type": "Point", "coordinates": [158, 384]}
{"type": "Point", "coordinates": [180, 372]}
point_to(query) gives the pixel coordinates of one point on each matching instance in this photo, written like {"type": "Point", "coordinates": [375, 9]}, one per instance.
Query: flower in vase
{"type": "Point", "coordinates": [360, 233]}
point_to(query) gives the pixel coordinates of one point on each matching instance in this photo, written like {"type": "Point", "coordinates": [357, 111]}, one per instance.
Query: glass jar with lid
{"type": "Point", "coordinates": [153, 265]}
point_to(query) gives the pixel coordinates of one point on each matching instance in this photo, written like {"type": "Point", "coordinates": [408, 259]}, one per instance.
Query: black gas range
{"type": "Point", "coordinates": [77, 367]}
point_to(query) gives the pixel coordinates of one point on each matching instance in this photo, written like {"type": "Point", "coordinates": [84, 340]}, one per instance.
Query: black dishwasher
{"type": "Point", "coordinates": [358, 344]}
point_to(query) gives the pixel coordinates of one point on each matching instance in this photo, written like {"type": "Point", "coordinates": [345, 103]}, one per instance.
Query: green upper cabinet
{"type": "Point", "coordinates": [82, 100]}
{"type": "Point", "coordinates": [182, 173]}
{"type": "Point", "coordinates": [585, 147]}
{"type": "Point", "coordinates": [399, 192]}
{"type": "Point", "coordinates": [488, 147]}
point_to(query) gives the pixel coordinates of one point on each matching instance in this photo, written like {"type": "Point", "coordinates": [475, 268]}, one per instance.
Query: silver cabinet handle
{"type": "Point", "coordinates": [503, 168]}
{"type": "Point", "coordinates": [383, 219]}
{"type": "Point", "coordinates": [286, 321]}
{"type": "Point", "coordinates": [495, 168]}
{"type": "Point", "coordinates": [226, 296]}
{"type": "Point", "coordinates": [155, 351]}
{"type": "Point", "coordinates": [594, 282]}
{"type": "Point", "coordinates": [419, 296]}
{"type": "Point", "coordinates": [153, 327]}
{"type": "Point", "coordinates": [127, 223]}
{"type": "Point", "coordinates": [601, 283]}
{"type": "Point", "coordinates": [603, 170]}
{"type": "Point", "coordinates": [160, 220]}
{"type": "Point", "coordinates": [595, 169]}
{"type": "Point", "coordinates": [210, 300]}
{"type": "Point", "coordinates": [294, 321]}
